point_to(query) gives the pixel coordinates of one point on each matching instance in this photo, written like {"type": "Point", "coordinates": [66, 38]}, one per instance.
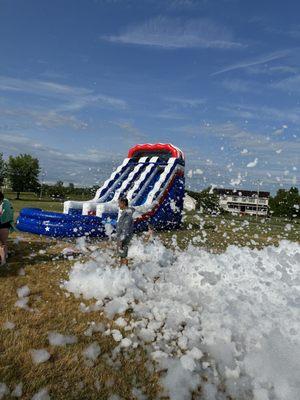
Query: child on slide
{"type": "Point", "coordinates": [6, 223]}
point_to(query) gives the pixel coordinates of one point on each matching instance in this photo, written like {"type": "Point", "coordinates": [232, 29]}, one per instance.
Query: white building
{"type": "Point", "coordinates": [244, 201]}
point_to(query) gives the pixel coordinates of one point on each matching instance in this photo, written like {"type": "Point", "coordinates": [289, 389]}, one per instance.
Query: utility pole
{"type": "Point", "coordinates": [42, 176]}
{"type": "Point", "coordinates": [258, 182]}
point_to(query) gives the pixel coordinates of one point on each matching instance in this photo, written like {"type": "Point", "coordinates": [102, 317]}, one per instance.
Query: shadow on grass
{"type": "Point", "coordinates": [24, 253]}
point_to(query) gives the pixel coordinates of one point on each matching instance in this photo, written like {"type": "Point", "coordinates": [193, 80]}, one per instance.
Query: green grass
{"type": "Point", "coordinates": [31, 200]}
{"type": "Point", "coordinates": [66, 374]}
{"type": "Point", "coordinates": [200, 230]}
{"type": "Point", "coordinates": [217, 233]}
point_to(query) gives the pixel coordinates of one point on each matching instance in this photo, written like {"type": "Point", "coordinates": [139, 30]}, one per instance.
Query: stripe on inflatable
{"type": "Point", "coordinates": [150, 213]}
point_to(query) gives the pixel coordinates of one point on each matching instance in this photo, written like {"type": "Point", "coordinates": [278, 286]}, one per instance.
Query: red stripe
{"type": "Point", "coordinates": [155, 147]}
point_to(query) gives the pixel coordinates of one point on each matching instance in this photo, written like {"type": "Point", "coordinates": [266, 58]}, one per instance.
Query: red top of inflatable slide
{"type": "Point", "coordinates": [157, 147]}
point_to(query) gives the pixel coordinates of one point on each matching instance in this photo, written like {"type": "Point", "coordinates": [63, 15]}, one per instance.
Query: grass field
{"type": "Point", "coordinates": [39, 264]}
{"type": "Point", "coordinates": [201, 230]}
{"type": "Point", "coordinates": [32, 200]}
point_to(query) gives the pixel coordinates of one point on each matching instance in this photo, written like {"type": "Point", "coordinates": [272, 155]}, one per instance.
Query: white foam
{"type": "Point", "coordinates": [23, 291]}
{"type": "Point", "coordinates": [231, 317]}
{"type": "Point", "coordinates": [9, 325]}
{"type": "Point", "coordinates": [117, 335]}
{"type": "Point", "coordinates": [3, 390]}
{"type": "Point", "coordinates": [57, 339]}
{"type": "Point", "coordinates": [39, 356]}
{"type": "Point", "coordinates": [18, 390]}
{"type": "Point", "coordinates": [41, 395]}
{"type": "Point", "coordinates": [92, 351]}
{"type": "Point", "coordinates": [22, 303]}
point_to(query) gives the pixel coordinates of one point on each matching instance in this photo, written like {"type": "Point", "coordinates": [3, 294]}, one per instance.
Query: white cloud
{"type": "Point", "coordinates": [73, 97]}
{"type": "Point", "coordinates": [22, 143]}
{"type": "Point", "coordinates": [130, 130]}
{"type": "Point", "coordinates": [42, 118]}
{"type": "Point", "coordinates": [282, 115]}
{"type": "Point", "coordinates": [284, 69]}
{"type": "Point", "coordinates": [256, 61]}
{"type": "Point", "coordinates": [40, 87]}
{"type": "Point", "coordinates": [265, 69]}
{"type": "Point", "coordinates": [291, 84]}
{"type": "Point", "coordinates": [240, 85]}
{"type": "Point", "coordinates": [179, 4]}
{"type": "Point", "coordinates": [261, 145]}
{"type": "Point", "coordinates": [87, 167]}
{"type": "Point", "coordinates": [186, 102]}
{"type": "Point", "coordinates": [258, 144]}
{"type": "Point", "coordinates": [294, 32]}
{"type": "Point", "coordinates": [176, 33]}
{"type": "Point", "coordinates": [171, 114]}
{"type": "Point", "coordinates": [279, 131]}
{"type": "Point", "coordinates": [50, 104]}
{"type": "Point", "coordinates": [237, 111]}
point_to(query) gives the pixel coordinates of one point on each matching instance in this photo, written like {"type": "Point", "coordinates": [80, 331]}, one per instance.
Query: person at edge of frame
{"type": "Point", "coordinates": [6, 224]}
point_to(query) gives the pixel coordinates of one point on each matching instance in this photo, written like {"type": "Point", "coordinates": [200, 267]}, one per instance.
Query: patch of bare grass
{"type": "Point", "coordinates": [67, 374]}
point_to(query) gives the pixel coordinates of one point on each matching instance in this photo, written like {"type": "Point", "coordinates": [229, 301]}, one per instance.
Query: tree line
{"type": "Point", "coordinates": [286, 203]}
{"type": "Point", "coordinates": [21, 174]}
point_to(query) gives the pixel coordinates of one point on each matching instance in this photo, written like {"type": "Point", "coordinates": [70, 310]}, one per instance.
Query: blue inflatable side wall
{"type": "Point", "coordinates": [35, 220]}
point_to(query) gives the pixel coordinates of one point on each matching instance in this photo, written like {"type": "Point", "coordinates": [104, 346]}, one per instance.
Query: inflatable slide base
{"type": "Point", "coordinates": [40, 222]}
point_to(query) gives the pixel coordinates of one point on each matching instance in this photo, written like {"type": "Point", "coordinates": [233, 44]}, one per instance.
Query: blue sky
{"type": "Point", "coordinates": [82, 81]}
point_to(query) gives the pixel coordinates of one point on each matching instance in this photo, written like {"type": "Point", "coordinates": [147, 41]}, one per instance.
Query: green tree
{"type": "Point", "coordinates": [23, 172]}
{"type": "Point", "coordinates": [2, 169]}
{"type": "Point", "coordinates": [207, 200]}
{"type": "Point", "coordinates": [286, 203]}
{"type": "Point", "coordinates": [58, 190]}
{"type": "Point", "coordinates": [59, 184]}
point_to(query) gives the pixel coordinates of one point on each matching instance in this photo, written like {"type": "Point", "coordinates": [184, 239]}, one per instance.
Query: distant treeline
{"type": "Point", "coordinates": [60, 191]}
{"type": "Point", "coordinates": [286, 203]}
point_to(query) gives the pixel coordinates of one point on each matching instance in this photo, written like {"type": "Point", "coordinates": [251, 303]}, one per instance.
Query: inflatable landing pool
{"type": "Point", "coordinates": [152, 179]}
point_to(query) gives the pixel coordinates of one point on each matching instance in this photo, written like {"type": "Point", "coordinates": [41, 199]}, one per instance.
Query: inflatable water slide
{"type": "Point", "coordinates": [151, 178]}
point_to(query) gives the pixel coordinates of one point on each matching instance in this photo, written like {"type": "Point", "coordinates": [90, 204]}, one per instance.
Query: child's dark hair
{"type": "Point", "coordinates": [124, 200]}
{"type": "Point", "coordinates": [1, 196]}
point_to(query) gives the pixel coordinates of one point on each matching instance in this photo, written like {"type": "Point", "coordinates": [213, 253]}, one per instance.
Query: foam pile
{"type": "Point", "coordinates": [226, 323]}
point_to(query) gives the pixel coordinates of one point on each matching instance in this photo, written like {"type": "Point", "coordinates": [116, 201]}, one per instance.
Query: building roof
{"type": "Point", "coordinates": [241, 192]}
